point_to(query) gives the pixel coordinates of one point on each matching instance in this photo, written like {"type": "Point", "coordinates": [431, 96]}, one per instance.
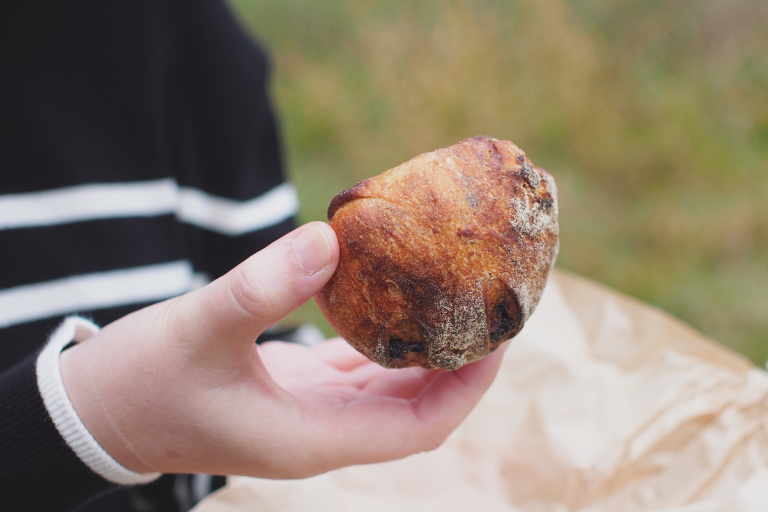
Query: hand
{"type": "Point", "coordinates": [180, 386]}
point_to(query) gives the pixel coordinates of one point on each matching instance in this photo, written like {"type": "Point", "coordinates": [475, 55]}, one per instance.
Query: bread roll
{"type": "Point", "coordinates": [444, 257]}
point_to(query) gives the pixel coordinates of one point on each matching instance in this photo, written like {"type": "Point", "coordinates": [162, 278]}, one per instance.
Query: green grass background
{"type": "Point", "coordinates": [652, 115]}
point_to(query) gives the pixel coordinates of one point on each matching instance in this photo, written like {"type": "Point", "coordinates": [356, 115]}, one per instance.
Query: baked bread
{"type": "Point", "coordinates": [444, 257]}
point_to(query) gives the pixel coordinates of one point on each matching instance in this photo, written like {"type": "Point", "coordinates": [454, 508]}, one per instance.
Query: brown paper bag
{"type": "Point", "coordinates": [602, 404]}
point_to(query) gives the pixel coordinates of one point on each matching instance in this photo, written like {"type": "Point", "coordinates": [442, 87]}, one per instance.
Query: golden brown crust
{"type": "Point", "coordinates": [443, 257]}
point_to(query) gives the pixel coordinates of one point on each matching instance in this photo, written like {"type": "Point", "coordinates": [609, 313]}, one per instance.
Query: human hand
{"type": "Point", "coordinates": [181, 387]}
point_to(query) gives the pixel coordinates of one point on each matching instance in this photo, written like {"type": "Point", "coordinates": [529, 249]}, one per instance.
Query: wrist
{"type": "Point", "coordinates": [61, 383]}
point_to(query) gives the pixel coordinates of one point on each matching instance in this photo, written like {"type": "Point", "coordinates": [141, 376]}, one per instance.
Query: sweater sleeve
{"type": "Point", "coordinates": [38, 470]}
{"type": "Point", "coordinates": [49, 459]}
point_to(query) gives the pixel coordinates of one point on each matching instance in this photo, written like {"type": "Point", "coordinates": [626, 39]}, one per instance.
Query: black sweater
{"type": "Point", "coordinates": [138, 158]}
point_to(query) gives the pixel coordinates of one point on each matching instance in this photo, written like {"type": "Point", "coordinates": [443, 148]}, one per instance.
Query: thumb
{"type": "Point", "coordinates": [263, 289]}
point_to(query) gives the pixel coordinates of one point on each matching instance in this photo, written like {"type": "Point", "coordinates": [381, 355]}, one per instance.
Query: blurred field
{"type": "Point", "coordinates": [652, 116]}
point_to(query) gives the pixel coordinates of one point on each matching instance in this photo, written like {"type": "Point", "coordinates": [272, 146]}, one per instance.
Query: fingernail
{"type": "Point", "coordinates": [312, 250]}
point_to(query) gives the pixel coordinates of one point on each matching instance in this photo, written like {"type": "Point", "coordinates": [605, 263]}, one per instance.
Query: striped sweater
{"type": "Point", "coordinates": [139, 159]}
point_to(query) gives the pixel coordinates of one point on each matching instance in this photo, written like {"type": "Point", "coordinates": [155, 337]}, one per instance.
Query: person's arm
{"type": "Point", "coordinates": [49, 460]}
{"type": "Point", "coordinates": [38, 470]}
{"type": "Point", "coordinates": [181, 387]}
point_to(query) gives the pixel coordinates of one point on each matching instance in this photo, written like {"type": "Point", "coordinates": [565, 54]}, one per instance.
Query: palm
{"type": "Point", "coordinates": [365, 412]}
{"type": "Point", "coordinates": [334, 371]}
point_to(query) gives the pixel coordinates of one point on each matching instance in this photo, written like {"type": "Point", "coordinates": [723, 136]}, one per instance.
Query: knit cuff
{"type": "Point", "coordinates": [76, 329]}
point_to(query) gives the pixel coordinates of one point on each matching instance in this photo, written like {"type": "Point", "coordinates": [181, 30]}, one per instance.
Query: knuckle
{"type": "Point", "coordinates": [433, 442]}
{"type": "Point", "coordinates": [251, 295]}
{"type": "Point", "coordinates": [296, 469]}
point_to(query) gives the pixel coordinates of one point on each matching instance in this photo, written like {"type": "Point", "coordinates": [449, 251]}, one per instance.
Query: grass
{"type": "Point", "coordinates": [652, 116]}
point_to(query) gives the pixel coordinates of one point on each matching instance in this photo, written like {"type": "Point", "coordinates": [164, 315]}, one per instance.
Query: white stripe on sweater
{"type": "Point", "coordinates": [95, 291]}
{"type": "Point", "coordinates": [235, 218]}
{"type": "Point", "coordinates": [88, 202]}
{"type": "Point", "coordinates": [147, 199]}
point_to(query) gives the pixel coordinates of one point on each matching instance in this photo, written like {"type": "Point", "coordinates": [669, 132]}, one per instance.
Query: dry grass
{"type": "Point", "coordinates": [653, 117]}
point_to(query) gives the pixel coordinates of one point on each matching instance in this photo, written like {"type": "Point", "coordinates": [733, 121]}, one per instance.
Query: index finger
{"type": "Point", "coordinates": [339, 354]}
